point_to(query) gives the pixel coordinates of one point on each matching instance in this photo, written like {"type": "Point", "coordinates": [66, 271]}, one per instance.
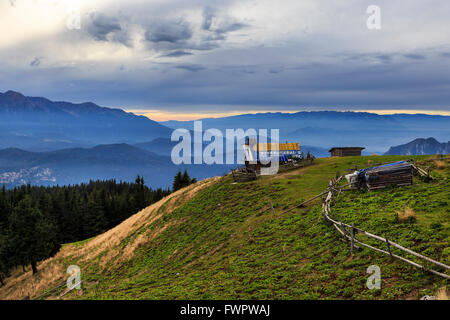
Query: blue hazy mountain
{"type": "Point", "coordinates": [76, 165]}
{"type": "Point", "coordinates": [420, 147]}
{"type": "Point", "coordinates": [39, 124]}
{"type": "Point", "coordinates": [163, 146]}
{"type": "Point", "coordinates": [326, 129]}
{"type": "Point", "coordinates": [47, 142]}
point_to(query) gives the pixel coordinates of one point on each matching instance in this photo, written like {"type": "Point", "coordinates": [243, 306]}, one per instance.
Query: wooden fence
{"type": "Point", "coordinates": [349, 232]}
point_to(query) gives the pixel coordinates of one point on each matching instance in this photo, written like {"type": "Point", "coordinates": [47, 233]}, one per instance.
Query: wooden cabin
{"type": "Point", "coordinates": [262, 155]}
{"type": "Point", "coordinates": [397, 174]}
{"type": "Point", "coordinates": [345, 151]}
{"type": "Point", "coordinates": [254, 152]}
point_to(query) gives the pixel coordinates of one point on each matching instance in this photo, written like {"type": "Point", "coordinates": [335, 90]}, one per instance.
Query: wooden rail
{"type": "Point", "coordinates": [350, 231]}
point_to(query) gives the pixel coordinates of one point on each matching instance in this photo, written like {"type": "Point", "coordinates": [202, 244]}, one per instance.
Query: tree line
{"type": "Point", "coordinates": [35, 220]}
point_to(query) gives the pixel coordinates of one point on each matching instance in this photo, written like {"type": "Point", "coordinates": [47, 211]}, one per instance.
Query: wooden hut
{"type": "Point", "coordinates": [397, 174]}
{"type": "Point", "coordinates": [345, 151]}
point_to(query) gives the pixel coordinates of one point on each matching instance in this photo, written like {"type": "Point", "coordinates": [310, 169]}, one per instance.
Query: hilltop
{"type": "Point", "coordinates": [218, 239]}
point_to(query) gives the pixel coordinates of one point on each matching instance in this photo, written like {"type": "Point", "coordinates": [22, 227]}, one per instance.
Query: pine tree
{"type": "Point", "coordinates": [4, 262]}
{"type": "Point", "coordinates": [69, 213]}
{"type": "Point", "coordinates": [177, 182]}
{"type": "Point", "coordinates": [186, 180]}
{"type": "Point", "coordinates": [32, 237]}
{"type": "Point", "coordinates": [140, 193]}
{"type": "Point", "coordinates": [94, 222]}
{"type": "Point", "coordinates": [182, 180]}
{"type": "Point", "coordinates": [4, 209]}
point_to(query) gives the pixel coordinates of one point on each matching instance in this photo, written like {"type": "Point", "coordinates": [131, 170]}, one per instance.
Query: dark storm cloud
{"type": "Point", "coordinates": [106, 28]}
{"type": "Point", "coordinates": [169, 31]}
{"type": "Point", "coordinates": [190, 67]}
{"type": "Point", "coordinates": [386, 58]}
{"type": "Point", "coordinates": [177, 53]}
{"type": "Point", "coordinates": [103, 25]}
{"type": "Point", "coordinates": [231, 27]}
{"type": "Point", "coordinates": [220, 31]}
{"type": "Point", "coordinates": [181, 38]}
{"type": "Point", "coordinates": [243, 53]}
{"type": "Point", "coordinates": [415, 56]}
{"type": "Point", "coordinates": [208, 16]}
{"type": "Point", "coordinates": [275, 70]}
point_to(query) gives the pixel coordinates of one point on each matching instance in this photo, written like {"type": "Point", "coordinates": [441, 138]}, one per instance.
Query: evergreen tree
{"type": "Point", "coordinates": [185, 180]}
{"type": "Point", "coordinates": [32, 237]}
{"type": "Point", "coordinates": [4, 209]}
{"type": "Point", "coordinates": [182, 180]}
{"type": "Point", "coordinates": [177, 182]}
{"type": "Point", "coordinates": [94, 222]}
{"type": "Point", "coordinates": [67, 213]}
{"type": "Point", "coordinates": [4, 262]}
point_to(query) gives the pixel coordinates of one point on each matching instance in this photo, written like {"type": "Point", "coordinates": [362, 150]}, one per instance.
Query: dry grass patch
{"type": "Point", "coordinates": [28, 286]}
{"type": "Point", "coordinates": [406, 215]}
{"type": "Point", "coordinates": [145, 237]}
{"type": "Point", "coordinates": [442, 294]}
{"type": "Point", "coordinates": [440, 164]}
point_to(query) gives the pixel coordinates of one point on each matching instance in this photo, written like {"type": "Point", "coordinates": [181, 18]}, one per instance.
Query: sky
{"type": "Point", "coordinates": [178, 59]}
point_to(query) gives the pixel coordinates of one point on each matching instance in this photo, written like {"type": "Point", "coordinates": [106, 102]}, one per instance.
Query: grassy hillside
{"type": "Point", "coordinates": [217, 240]}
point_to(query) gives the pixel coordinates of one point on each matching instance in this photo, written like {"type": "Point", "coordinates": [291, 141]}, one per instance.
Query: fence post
{"type": "Point", "coordinates": [389, 247]}
{"type": "Point", "coordinates": [353, 238]}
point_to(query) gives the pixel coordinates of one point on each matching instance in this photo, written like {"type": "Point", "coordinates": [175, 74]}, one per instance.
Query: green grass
{"type": "Point", "coordinates": [230, 247]}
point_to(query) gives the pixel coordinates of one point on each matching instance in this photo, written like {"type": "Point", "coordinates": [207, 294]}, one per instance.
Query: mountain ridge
{"type": "Point", "coordinates": [28, 122]}
{"type": "Point", "coordinates": [420, 146]}
{"type": "Point", "coordinates": [118, 161]}
{"type": "Point", "coordinates": [325, 129]}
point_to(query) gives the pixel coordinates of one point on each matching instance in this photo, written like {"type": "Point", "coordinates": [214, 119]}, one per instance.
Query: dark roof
{"type": "Point", "coordinates": [390, 167]}
{"type": "Point", "coordinates": [346, 148]}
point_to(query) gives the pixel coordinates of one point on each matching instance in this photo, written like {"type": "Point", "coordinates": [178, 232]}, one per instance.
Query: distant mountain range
{"type": "Point", "coordinates": [420, 147]}
{"type": "Point", "coordinates": [163, 146]}
{"type": "Point", "coordinates": [48, 142]}
{"type": "Point", "coordinates": [325, 129]}
{"type": "Point", "coordinates": [39, 124]}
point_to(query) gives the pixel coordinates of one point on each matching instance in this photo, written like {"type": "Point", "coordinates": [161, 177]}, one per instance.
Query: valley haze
{"type": "Point", "coordinates": [47, 142]}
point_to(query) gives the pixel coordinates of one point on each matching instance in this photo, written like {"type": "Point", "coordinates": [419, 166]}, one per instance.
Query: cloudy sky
{"type": "Point", "coordinates": [190, 58]}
